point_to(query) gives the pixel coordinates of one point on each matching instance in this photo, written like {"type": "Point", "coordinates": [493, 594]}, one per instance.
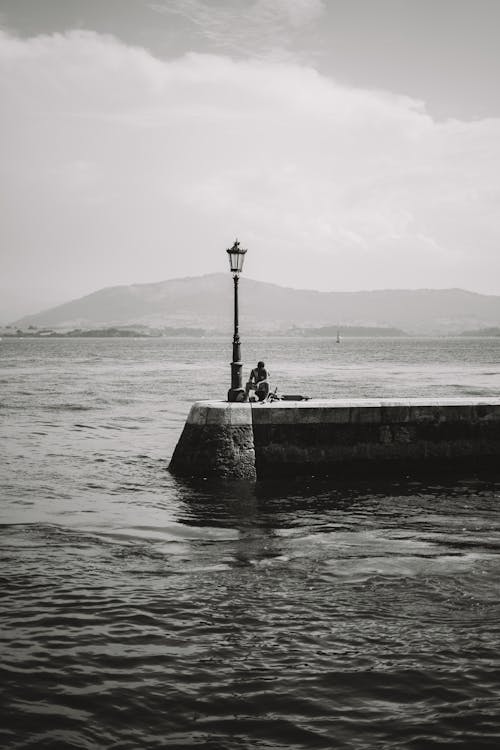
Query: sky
{"type": "Point", "coordinates": [348, 144]}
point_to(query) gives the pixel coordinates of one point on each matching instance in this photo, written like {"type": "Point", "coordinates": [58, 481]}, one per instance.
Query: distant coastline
{"type": "Point", "coordinates": [483, 332]}
{"type": "Point", "coordinates": [107, 332]}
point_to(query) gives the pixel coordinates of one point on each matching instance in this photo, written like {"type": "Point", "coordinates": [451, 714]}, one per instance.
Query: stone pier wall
{"type": "Point", "coordinates": [217, 441]}
{"type": "Point", "coordinates": [248, 441]}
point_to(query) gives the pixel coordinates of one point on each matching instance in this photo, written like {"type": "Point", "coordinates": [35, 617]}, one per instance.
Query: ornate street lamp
{"type": "Point", "coordinates": [236, 392]}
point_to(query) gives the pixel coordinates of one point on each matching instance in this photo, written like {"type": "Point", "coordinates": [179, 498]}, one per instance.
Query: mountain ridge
{"type": "Point", "coordinates": [207, 301]}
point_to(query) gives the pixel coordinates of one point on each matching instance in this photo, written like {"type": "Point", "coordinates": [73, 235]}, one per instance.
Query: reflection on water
{"type": "Point", "coordinates": [140, 610]}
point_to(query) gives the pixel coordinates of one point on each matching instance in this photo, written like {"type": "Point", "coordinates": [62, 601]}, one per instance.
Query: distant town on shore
{"type": "Point", "coordinates": [144, 332]}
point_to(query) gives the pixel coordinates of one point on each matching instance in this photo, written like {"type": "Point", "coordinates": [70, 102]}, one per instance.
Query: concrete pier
{"type": "Point", "coordinates": [217, 441]}
{"type": "Point", "coordinates": [338, 437]}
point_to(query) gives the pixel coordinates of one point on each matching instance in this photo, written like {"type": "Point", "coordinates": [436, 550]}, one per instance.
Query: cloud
{"type": "Point", "coordinates": [247, 28]}
{"type": "Point", "coordinates": [119, 167]}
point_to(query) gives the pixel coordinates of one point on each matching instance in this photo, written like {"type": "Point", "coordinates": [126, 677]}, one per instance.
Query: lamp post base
{"type": "Point", "coordinates": [236, 394]}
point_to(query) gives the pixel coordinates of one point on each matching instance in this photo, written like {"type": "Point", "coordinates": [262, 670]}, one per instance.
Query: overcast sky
{"type": "Point", "coordinates": [349, 144]}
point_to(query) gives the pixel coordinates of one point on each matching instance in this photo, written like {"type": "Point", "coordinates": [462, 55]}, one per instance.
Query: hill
{"type": "Point", "coordinates": [206, 302]}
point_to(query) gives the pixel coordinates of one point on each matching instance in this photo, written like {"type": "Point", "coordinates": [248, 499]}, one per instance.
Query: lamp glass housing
{"type": "Point", "coordinates": [236, 257]}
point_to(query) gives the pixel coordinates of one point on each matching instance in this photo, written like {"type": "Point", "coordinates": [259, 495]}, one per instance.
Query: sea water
{"type": "Point", "coordinates": [141, 611]}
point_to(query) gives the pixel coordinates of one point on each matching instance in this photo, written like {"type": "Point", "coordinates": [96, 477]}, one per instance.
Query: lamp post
{"type": "Point", "coordinates": [236, 392]}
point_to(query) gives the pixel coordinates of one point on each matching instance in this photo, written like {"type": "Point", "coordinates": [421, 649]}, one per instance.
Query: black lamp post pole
{"type": "Point", "coordinates": [236, 390]}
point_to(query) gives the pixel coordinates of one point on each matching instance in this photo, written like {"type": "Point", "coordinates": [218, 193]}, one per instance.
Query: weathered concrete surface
{"type": "Point", "coordinates": [217, 441]}
{"type": "Point", "coordinates": [337, 436]}
{"type": "Point", "coordinates": [375, 436]}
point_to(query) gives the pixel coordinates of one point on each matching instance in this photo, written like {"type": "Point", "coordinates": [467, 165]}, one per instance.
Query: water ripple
{"type": "Point", "coordinates": [139, 611]}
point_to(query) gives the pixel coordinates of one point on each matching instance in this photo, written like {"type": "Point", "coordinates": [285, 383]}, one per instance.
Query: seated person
{"type": "Point", "coordinates": [258, 382]}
